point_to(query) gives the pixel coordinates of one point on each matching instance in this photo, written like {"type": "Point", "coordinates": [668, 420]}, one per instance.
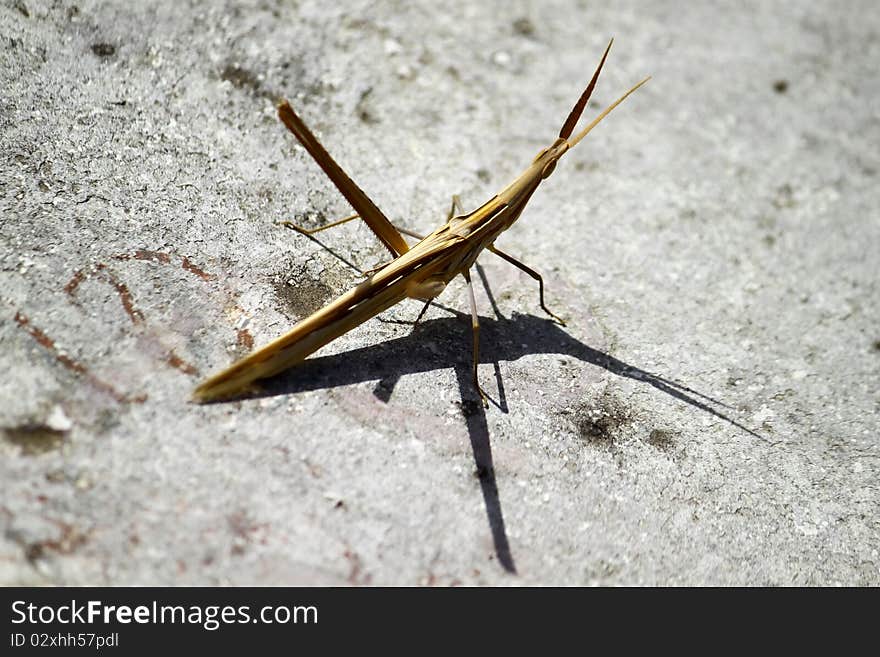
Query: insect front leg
{"type": "Point", "coordinates": [531, 272]}
{"type": "Point", "coordinates": [475, 325]}
{"type": "Point", "coordinates": [455, 208]}
{"type": "Point", "coordinates": [311, 231]}
{"type": "Point", "coordinates": [425, 290]}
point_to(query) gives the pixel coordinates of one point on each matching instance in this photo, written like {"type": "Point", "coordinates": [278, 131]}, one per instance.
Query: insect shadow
{"type": "Point", "coordinates": [431, 345]}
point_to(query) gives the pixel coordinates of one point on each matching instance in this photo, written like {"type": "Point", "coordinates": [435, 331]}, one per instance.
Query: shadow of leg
{"type": "Point", "coordinates": [478, 431]}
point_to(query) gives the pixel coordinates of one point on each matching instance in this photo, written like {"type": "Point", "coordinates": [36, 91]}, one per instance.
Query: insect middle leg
{"type": "Point", "coordinates": [531, 272]}
{"type": "Point", "coordinates": [475, 325]}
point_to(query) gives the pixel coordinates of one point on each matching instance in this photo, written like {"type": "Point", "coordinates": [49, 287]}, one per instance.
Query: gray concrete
{"type": "Point", "coordinates": [719, 231]}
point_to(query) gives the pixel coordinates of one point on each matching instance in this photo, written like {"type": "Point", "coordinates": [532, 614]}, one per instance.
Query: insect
{"type": "Point", "coordinates": [421, 271]}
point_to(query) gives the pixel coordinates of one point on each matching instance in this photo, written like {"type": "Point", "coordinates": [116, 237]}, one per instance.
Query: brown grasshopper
{"type": "Point", "coordinates": [420, 272]}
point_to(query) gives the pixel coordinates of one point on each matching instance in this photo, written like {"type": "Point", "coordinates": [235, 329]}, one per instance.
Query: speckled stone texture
{"type": "Point", "coordinates": [708, 416]}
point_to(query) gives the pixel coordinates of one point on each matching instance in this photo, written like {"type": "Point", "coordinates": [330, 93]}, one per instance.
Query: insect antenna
{"type": "Point", "coordinates": [577, 110]}
{"type": "Point", "coordinates": [583, 133]}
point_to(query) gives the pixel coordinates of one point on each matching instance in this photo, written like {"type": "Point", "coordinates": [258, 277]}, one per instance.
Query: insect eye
{"type": "Point", "coordinates": [548, 169]}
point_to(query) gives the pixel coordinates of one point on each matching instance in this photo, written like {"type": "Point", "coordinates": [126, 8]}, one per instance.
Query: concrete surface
{"type": "Point", "coordinates": [719, 232]}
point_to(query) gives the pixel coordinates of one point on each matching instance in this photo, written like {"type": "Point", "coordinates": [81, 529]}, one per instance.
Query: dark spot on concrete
{"type": "Point", "coordinates": [241, 78]}
{"type": "Point", "coordinates": [877, 345]}
{"type": "Point", "coordinates": [355, 575]}
{"type": "Point", "coordinates": [34, 439]}
{"type": "Point", "coordinates": [244, 343]}
{"type": "Point", "coordinates": [22, 9]}
{"type": "Point", "coordinates": [784, 197]}
{"type": "Point", "coordinates": [245, 530]}
{"type": "Point", "coordinates": [104, 49]}
{"type": "Point", "coordinates": [265, 192]}
{"type": "Point", "coordinates": [484, 175]}
{"type": "Point", "coordinates": [362, 110]}
{"type": "Point", "coordinates": [302, 297]}
{"type": "Point", "coordinates": [661, 439]}
{"type": "Point", "coordinates": [315, 470]}
{"type": "Point", "coordinates": [56, 476]}
{"type": "Point", "coordinates": [780, 86]}
{"type": "Point", "coordinates": [68, 541]}
{"type": "Point", "coordinates": [524, 27]}
{"type": "Point", "coordinates": [769, 240]}
{"type": "Point", "coordinates": [244, 339]}
{"type": "Point", "coordinates": [600, 424]}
